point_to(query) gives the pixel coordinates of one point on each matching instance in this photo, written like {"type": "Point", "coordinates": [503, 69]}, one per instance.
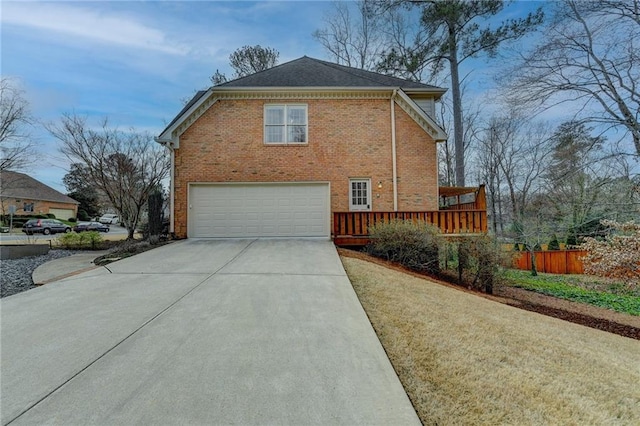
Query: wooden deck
{"type": "Point", "coordinates": [453, 219]}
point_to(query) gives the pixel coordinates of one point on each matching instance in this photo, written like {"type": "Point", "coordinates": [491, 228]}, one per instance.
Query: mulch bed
{"type": "Point", "coordinates": [578, 313]}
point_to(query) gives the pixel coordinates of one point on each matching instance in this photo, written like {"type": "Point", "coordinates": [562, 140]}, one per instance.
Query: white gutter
{"type": "Point", "coordinates": [393, 151]}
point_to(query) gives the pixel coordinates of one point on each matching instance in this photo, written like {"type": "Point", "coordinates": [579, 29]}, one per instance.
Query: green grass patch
{"type": "Point", "coordinates": [616, 297]}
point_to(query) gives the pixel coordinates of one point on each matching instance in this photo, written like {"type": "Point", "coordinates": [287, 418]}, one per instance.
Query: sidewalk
{"type": "Point", "coordinates": [65, 267]}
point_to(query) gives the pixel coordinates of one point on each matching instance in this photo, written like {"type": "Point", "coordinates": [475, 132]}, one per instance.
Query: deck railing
{"type": "Point", "coordinates": [353, 227]}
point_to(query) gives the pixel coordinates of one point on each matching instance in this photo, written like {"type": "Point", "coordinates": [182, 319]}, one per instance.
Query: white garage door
{"type": "Point", "coordinates": [259, 210]}
{"type": "Point", "coordinates": [62, 213]}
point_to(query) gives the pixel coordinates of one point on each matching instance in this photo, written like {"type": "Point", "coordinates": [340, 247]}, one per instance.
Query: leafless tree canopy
{"type": "Point", "coordinates": [353, 39]}
{"type": "Point", "coordinates": [15, 120]}
{"type": "Point", "coordinates": [125, 166]}
{"type": "Point", "coordinates": [590, 55]}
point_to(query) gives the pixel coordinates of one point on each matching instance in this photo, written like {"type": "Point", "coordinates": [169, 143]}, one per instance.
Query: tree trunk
{"type": "Point", "coordinates": [458, 133]}
{"type": "Point", "coordinates": [534, 270]}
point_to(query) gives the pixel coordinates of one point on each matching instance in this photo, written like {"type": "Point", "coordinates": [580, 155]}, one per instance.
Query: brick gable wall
{"type": "Point", "coordinates": [346, 139]}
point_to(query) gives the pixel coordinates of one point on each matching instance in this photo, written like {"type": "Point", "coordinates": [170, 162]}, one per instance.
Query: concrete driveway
{"type": "Point", "coordinates": [199, 332]}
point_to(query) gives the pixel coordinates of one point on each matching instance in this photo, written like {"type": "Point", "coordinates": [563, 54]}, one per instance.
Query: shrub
{"type": "Point", "coordinates": [84, 240]}
{"type": "Point", "coordinates": [483, 262]}
{"type": "Point", "coordinates": [554, 244]}
{"type": "Point", "coordinates": [72, 219]}
{"type": "Point", "coordinates": [516, 247]}
{"type": "Point", "coordinates": [40, 216]}
{"type": "Point", "coordinates": [412, 244]}
{"type": "Point", "coordinates": [83, 216]}
{"type": "Point", "coordinates": [51, 215]}
{"type": "Point", "coordinates": [617, 256]}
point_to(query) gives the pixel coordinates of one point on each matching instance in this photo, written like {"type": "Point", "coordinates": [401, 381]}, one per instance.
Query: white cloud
{"type": "Point", "coordinates": [83, 23]}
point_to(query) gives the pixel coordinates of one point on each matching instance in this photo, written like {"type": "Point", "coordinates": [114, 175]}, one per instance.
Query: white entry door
{"type": "Point", "coordinates": [359, 194]}
{"type": "Point", "coordinates": [259, 210]}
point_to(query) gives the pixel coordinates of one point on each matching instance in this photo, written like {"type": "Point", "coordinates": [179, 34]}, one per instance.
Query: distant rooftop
{"type": "Point", "coordinates": [20, 185]}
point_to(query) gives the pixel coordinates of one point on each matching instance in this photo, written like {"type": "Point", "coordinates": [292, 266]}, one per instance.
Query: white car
{"type": "Point", "coordinates": [111, 219]}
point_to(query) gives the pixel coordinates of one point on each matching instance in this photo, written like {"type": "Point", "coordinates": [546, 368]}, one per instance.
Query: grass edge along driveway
{"type": "Point", "coordinates": [464, 359]}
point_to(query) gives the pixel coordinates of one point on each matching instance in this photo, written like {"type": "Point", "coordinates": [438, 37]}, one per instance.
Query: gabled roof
{"type": "Point", "coordinates": [21, 186]}
{"type": "Point", "coordinates": [310, 72]}
{"type": "Point", "coordinates": [311, 75]}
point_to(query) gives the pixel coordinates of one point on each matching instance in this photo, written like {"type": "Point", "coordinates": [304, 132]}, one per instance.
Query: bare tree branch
{"type": "Point", "coordinates": [355, 41]}
{"type": "Point", "coordinates": [15, 120]}
{"type": "Point", "coordinates": [589, 57]}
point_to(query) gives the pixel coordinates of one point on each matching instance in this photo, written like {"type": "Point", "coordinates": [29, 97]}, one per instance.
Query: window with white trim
{"type": "Point", "coordinates": [285, 124]}
{"type": "Point", "coordinates": [360, 194]}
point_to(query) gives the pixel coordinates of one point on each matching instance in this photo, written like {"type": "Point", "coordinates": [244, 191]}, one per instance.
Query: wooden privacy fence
{"type": "Point", "coordinates": [553, 261]}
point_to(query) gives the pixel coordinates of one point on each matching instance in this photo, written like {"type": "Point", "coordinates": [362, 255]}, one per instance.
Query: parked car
{"type": "Point", "coordinates": [111, 219]}
{"type": "Point", "coordinates": [91, 226]}
{"type": "Point", "coordinates": [45, 226]}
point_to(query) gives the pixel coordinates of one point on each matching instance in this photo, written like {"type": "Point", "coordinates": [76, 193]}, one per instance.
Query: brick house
{"type": "Point", "coordinates": [32, 197]}
{"type": "Point", "coordinates": [279, 152]}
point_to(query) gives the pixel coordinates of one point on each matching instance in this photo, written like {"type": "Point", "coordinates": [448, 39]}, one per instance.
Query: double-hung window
{"type": "Point", "coordinates": [285, 124]}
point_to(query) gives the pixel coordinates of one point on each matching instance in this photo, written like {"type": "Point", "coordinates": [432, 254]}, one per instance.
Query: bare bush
{"type": "Point", "coordinates": [415, 245]}
{"type": "Point", "coordinates": [617, 256]}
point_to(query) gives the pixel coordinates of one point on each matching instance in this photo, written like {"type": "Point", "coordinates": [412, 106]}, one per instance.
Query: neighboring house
{"type": "Point", "coordinates": [31, 197]}
{"type": "Point", "coordinates": [280, 152]}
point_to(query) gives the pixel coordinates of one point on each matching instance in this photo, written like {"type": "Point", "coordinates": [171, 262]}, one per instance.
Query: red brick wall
{"type": "Point", "coordinates": [346, 139]}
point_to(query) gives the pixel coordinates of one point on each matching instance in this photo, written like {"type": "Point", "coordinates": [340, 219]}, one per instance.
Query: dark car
{"type": "Point", "coordinates": [45, 226]}
{"type": "Point", "coordinates": [91, 226]}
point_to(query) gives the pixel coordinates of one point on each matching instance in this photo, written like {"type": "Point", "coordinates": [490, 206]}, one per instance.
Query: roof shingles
{"type": "Point", "coordinates": [19, 185]}
{"type": "Point", "coordinates": [310, 72]}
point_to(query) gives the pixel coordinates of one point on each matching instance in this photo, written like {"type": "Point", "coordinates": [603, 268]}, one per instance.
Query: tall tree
{"type": "Point", "coordinates": [451, 32]}
{"type": "Point", "coordinates": [15, 119]}
{"type": "Point", "coordinates": [248, 60]}
{"type": "Point", "coordinates": [218, 78]}
{"type": "Point", "coordinates": [352, 39]}
{"type": "Point", "coordinates": [125, 166]}
{"type": "Point", "coordinates": [252, 59]}
{"type": "Point", "coordinates": [589, 56]}
{"type": "Point", "coordinates": [81, 188]}
{"type": "Point", "coordinates": [513, 154]}
{"type": "Point", "coordinates": [576, 179]}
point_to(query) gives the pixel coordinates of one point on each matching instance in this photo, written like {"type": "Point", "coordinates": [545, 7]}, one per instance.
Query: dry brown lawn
{"type": "Point", "coordinates": [464, 359]}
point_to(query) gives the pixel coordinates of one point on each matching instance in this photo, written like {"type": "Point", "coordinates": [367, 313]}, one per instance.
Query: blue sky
{"type": "Point", "coordinates": [135, 62]}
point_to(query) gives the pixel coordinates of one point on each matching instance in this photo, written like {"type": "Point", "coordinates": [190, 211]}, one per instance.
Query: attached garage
{"type": "Point", "coordinates": [258, 210]}
{"type": "Point", "coordinates": [62, 213]}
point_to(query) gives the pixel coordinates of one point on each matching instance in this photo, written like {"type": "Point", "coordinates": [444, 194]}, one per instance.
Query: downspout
{"type": "Point", "coordinates": [393, 150]}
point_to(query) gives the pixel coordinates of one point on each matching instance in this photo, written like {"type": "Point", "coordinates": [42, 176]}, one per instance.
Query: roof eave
{"type": "Point", "coordinates": [382, 89]}
{"type": "Point", "coordinates": [166, 137]}
{"type": "Point", "coordinates": [436, 92]}
{"type": "Point", "coordinates": [423, 119]}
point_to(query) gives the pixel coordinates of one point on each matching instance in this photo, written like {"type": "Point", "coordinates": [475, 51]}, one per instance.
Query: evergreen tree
{"type": "Point", "coordinates": [451, 32]}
